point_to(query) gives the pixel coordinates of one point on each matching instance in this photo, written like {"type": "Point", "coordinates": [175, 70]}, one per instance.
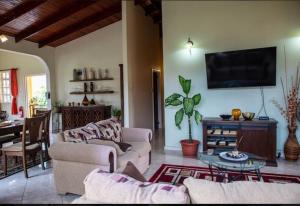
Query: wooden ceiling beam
{"type": "Point", "coordinates": [82, 24]}
{"type": "Point", "coordinates": [19, 11]}
{"type": "Point", "coordinates": [76, 6]}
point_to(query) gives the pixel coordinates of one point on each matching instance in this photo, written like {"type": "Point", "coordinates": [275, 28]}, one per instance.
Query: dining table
{"type": "Point", "coordinates": [14, 127]}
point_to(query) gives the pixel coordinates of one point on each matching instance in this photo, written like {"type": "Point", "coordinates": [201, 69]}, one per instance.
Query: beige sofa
{"type": "Point", "coordinates": [203, 191]}
{"type": "Point", "coordinates": [72, 162]}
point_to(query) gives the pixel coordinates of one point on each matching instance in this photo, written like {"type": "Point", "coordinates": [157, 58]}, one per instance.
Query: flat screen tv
{"type": "Point", "coordinates": [242, 68]}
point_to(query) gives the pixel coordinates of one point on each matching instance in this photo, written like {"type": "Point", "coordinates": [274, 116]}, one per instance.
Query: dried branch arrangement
{"type": "Point", "coordinates": [290, 96]}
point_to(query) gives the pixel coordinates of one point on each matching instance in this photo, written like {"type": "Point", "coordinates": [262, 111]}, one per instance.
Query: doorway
{"type": "Point", "coordinates": [36, 88]}
{"type": "Point", "coordinates": [157, 105]}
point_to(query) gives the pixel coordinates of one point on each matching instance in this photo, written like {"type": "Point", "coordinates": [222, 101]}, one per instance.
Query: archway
{"type": "Point", "coordinates": [29, 65]}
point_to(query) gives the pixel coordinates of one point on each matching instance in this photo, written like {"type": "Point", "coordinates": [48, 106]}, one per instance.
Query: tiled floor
{"type": "Point", "coordinates": [39, 188]}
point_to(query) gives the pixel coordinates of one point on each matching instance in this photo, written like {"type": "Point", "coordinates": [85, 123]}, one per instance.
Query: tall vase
{"type": "Point", "coordinates": [291, 146]}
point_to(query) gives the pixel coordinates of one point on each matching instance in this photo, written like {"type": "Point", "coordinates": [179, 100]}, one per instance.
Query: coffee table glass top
{"type": "Point", "coordinates": [253, 163]}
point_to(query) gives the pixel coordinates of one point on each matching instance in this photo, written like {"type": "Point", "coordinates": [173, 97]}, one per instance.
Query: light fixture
{"type": "Point", "coordinates": [3, 38]}
{"type": "Point", "coordinates": [189, 45]}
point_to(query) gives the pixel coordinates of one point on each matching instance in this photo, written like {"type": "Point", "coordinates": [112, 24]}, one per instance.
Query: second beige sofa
{"type": "Point", "coordinates": [72, 162]}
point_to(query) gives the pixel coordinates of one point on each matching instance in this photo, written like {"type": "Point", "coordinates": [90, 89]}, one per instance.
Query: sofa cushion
{"type": "Point", "coordinates": [142, 148]}
{"type": "Point", "coordinates": [108, 143]}
{"type": "Point", "coordinates": [110, 129]}
{"type": "Point", "coordinates": [241, 192]}
{"type": "Point", "coordinates": [122, 160]}
{"type": "Point", "coordinates": [119, 188]}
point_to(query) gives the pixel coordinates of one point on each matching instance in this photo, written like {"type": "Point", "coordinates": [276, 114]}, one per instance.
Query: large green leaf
{"type": "Point", "coordinates": [172, 98]}
{"type": "Point", "coordinates": [187, 86]}
{"type": "Point", "coordinates": [197, 99]}
{"type": "Point", "coordinates": [188, 105]}
{"type": "Point", "coordinates": [179, 117]}
{"type": "Point", "coordinates": [198, 117]}
{"type": "Point", "coordinates": [182, 82]}
{"type": "Point", "coordinates": [176, 102]}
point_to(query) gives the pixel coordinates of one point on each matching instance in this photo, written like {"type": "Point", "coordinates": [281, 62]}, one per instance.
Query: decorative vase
{"type": "Point", "coordinates": [100, 76]}
{"type": "Point", "coordinates": [85, 101]}
{"type": "Point", "coordinates": [84, 74]}
{"type": "Point", "coordinates": [85, 87]}
{"type": "Point", "coordinates": [75, 76]}
{"type": "Point", "coordinates": [189, 149]}
{"type": "Point", "coordinates": [291, 146]}
{"type": "Point", "coordinates": [92, 86]}
{"type": "Point", "coordinates": [91, 74]}
{"type": "Point", "coordinates": [236, 113]}
{"type": "Point", "coordinates": [92, 102]}
{"type": "Point", "coordinates": [106, 73]}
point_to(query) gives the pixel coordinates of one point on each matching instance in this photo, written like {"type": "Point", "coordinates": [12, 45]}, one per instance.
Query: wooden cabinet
{"type": "Point", "coordinates": [74, 117]}
{"type": "Point", "coordinates": [258, 136]}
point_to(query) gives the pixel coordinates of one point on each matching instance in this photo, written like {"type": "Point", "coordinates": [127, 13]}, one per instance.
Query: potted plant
{"type": "Point", "coordinates": [116, 113]}
{"type": "Point", "coordinates": [57, 107]}
{"type": "Point", "coordinates": [289, 112]}
{"type": "Point", "coordinates": [187, 108]}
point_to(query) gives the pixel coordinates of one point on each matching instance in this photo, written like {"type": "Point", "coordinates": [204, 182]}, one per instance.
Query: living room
{"type": "Point", "coordinates": [150, 65]}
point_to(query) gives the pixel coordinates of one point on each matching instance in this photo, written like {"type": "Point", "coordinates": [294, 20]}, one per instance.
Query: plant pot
{"type": "Point", "coordinates": [189, 149]}
{"type": "Point", "coordinates": [291, 146]}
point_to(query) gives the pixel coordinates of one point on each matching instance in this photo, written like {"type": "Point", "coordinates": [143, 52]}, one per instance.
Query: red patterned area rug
{"type": "Point", "coordinates": [175, 174]}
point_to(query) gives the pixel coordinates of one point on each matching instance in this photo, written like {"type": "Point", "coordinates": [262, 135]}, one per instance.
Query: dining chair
{"type": "Point", "coordinates": [30, 145]}
{"type": "Point", "coordinates": [46, 127]}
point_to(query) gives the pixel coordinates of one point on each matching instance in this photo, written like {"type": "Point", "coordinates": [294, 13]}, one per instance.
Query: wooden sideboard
{"type": "Point", "coordinates": [78, 116]}
{"type": "Point", "coordinates": [259, 136]}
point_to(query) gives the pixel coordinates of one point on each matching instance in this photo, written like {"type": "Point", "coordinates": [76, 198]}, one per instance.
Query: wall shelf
{"type": "Point", "coordinates": [96, 92]}
{"type": "Point", "coordinates": [90, 80]}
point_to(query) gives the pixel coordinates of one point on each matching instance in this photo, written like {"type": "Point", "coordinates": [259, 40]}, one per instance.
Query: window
{"type": "Point", "coordinates": [5, 96]}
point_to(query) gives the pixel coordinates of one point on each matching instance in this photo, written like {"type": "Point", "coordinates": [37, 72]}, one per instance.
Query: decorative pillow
{"type": "Point", "coordinates": [117, 188]}
{"type": "Point", "coordinates": [131, 171]}
{"type": "Point", "coordinates": [110, 129]}
{"type": "Point", "coordinates": [78, 135]}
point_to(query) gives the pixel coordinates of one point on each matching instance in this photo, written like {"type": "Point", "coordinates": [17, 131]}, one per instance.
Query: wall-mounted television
{"type": "Point", "coordinates": [242, 68]}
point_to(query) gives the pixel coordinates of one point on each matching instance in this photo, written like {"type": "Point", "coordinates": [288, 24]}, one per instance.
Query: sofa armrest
{"type": "Point", "coordinates": [136, 135]}
{"type": "Point", "coordinates": [84, 153]}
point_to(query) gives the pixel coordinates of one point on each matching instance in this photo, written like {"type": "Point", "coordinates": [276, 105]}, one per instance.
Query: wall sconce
{"type": "Point", "coordinates": [189, 45]}
{"type": "Point", "coordinates": [3, 38]}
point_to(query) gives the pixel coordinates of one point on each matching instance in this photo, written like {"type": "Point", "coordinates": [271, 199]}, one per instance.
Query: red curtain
{"type": "Point", "coordinates": [14, 90]}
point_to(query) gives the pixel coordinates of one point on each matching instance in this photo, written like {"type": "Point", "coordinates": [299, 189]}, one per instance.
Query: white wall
{"type": "Point", "coordinates": [221, 26]}
{"type": "Point", "coordinates": [27, 65]}
{"type": "Point", "coordinates": [99, 49]}
{"type": "Point", "coordinates": [140, 48]}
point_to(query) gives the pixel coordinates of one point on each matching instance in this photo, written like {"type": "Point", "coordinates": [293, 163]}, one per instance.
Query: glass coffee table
{"type": "Point", "coordinates": [220, 168]}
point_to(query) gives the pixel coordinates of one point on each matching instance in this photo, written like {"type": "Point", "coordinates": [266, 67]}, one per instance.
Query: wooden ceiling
{"type": "Point", "coordinates": [55, 22]}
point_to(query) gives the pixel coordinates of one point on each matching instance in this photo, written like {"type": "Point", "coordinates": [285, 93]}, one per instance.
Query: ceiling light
{"type": "Point", "coordinates": [3, 38]}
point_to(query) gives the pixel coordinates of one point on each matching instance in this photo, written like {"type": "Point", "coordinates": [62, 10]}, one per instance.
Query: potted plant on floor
{"type": "Point", "coordinates": [187, 104]}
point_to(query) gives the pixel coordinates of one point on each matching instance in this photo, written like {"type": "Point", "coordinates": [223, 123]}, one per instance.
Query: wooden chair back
{"type": "Point", "coordinates": [32, 130]}
{"type": "Point", "coordinates": [47, 114]}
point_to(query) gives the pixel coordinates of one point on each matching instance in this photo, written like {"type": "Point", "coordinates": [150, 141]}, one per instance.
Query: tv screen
{"type": "Point", "coordinates": [242, 68]}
